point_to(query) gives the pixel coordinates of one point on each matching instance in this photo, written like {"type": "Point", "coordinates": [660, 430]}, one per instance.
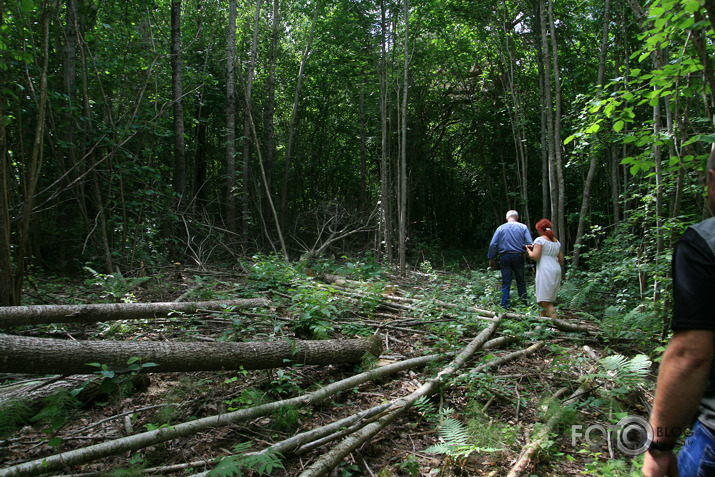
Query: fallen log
{"type": "Point", "coordinates": [21, 354]}
{"type": "Point", "coordinates": [139, 441]}
{"type": "Point", "coordinates": [11, 316]}
{"type": "Point", "coordinates": [32, 395]}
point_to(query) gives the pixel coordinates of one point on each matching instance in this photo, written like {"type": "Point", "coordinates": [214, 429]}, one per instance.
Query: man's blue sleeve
{"type": "Point", "coordinates": [529, 240]}
{"type": "Point", "coordinates": [493, 245]}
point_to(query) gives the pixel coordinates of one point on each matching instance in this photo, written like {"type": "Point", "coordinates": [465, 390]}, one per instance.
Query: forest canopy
{"type": "Point", "coordinates": [136, 135]}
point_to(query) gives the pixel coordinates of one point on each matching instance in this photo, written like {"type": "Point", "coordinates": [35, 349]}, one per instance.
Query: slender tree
{"type": "Point", "coordinates": [177, 99]}
{"type": "Point", "coordinates": [230, 174]}
{"type": "Point", "coordinates": [403, 146]}
{"type": "Point", "coordinates": [595, 150]}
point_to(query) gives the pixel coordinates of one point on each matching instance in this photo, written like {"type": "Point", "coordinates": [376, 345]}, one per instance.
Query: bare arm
{"type": "Point", "coordinates": [681, 383]}
{"type": "Point", "coordinates": [534, 254]}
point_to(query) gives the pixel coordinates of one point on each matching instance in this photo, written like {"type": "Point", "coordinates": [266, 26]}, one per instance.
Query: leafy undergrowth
{"type": "Point", "coordinates": [480, 423]}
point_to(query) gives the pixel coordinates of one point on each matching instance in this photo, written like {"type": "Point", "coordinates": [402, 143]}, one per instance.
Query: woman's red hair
{"type": "Point", "coordinates": [544, 227]}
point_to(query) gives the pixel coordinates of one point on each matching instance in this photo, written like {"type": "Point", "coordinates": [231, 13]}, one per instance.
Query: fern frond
{"type": "Point", "coordinates": [15, 414]}
{"type": "Point", "coordinates": [453, 432]}
{"type": "Point", "coordinates": [626, 371]}
{"type": "Point", "coordinates": [440, 448]}
{"type": "Point", "coordinates": [639, 365]}
{"type": "Point", "coordinates": [425, 407]}
{"type": "Point", "coordinates": [614, 362]}
{"type": "Point", "coordinates": [262, 463]}
{"type": "Point", "coordinates": [59, 403]}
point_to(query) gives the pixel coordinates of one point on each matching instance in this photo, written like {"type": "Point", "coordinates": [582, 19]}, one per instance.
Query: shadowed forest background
{"type": "Point", "coordinates": [140, 135]}
{"type": "Point", "coordinates": [157, 143]}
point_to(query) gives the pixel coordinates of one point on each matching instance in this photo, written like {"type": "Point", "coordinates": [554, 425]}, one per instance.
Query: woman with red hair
{"type": "Point", "coordinates": [547, 254]}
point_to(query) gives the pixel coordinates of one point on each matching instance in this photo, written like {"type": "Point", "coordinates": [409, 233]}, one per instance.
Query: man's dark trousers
{"type": "Point", "coordinates": [512, 267]}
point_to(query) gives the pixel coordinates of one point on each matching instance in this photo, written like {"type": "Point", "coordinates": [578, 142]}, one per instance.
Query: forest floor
{"type": "Point", "coordinates": [502, 409]}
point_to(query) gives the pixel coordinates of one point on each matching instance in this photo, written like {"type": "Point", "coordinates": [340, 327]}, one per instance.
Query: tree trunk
{"type": "Point", "coordinates": [176, 90]}
{"type": "Point", "coordinates": [45, 314]}
{"type": "Point", "coordinates": [138, 441]}
{"type": "Point", "coordinates": [34, 394]}
{"type": "Point", "coordinates": [19, 354]}
{"type": "Point", "coordinates": [548, 107]}
{"type": "Point", "coordinates": [6, 288]}
{"type": "Point", "coordinates": [385, 209]}
{"type": "Point", "coordinates": [517, 122]}
{"type": "Point", "coordinates": [594, 149]}
{"type": "Point", "coordinates": [403, 149]}
{"type": "Point", "coordinates": [246, 157]}
{"type": "Point", "coordinates": [559, 220]}
{"type": "Point", "coordinates": [271, 105]}
{"type": "Point", "coordinates": [31, 173]}
{"type": "Point", "coordinates": [294, 115]}
{"type": "Point", "coordinates": [230, 172]}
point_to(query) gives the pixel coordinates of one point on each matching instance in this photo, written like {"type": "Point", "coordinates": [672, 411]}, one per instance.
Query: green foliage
{"type": "Point", "coordinates": [249, 397]}
{"type": "Point", "coordinates": [426, 408]}
{"type": "Point", "coordinates": [316, 308]}
{"type": "Point", "coordinates": [262, 463]}
{"type": "Point", "coordinates": [115, 285]}
{"type": "Point", "coordinates": [56, 407]}
{"type": "Point", "coordinates": [604, 466]}
{"type": "Point", "coordinates": [16, 413]}
{"type": "Point", "coordinates": [639, 326]}
{"type": "Point", "coordinates": [363, 268]}
{"type": "Point", "coordinates": [166, 415]}
{"type": "Point", "coordinates": [282, 383]}
{"type": "Point", "coordinates": [286, 419]}
{"type": "Point", "coordinates": [119, 379]}
{"type": "Point", "coordinates": [410, 466]}
{"type": "Point", "coordinates": [626, 372]}
{"type": "Point", "coordinates": [456, 440]}
{"type": "Point", "coordinates": [356, 329]}
{"type": "Point", "coordinates": [270, 271]}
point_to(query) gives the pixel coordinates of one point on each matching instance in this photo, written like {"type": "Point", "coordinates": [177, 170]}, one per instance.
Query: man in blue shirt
{"type": "Point", "coordinates": [509, 241]}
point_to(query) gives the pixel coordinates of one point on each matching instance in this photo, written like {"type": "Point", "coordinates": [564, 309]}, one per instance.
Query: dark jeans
{"type": "Point", "coordinates": [512, 267]}
{"type": "Point", "coordinates": [697, 457]}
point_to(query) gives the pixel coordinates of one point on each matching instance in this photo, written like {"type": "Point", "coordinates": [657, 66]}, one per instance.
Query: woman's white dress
{"type": "Point", "coordinates": [548, 270]}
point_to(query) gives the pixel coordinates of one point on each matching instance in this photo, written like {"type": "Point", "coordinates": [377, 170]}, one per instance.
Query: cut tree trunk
{"type": "Point", "coordinates": [33, 394]}
{"type": "Point", "coordinates": [20, 354]}
{"type": "Point", "coordinates": [44, 314]}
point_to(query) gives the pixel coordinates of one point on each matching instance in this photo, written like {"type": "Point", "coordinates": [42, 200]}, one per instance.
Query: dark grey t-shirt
{"type": "Point", "coordinates": [693, 288]}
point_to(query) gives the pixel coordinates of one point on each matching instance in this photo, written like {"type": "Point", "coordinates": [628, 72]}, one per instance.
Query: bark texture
{"type": "Point", "coordinates": [20, 354]}
{"type": "Point", "coordinates": [44, 314]}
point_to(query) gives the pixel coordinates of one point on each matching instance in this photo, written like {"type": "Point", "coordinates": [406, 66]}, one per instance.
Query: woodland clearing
{"type": "Point", "coordinates": [478, 417]}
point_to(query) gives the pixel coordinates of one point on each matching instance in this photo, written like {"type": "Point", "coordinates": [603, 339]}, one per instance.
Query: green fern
{"type": "Point", "coordinates": [14, 415]}
{"type": "Point", "coordinates": [624, 371]}
{"type": "Point", "coordinates": [115, 285]}
{"type": "Point", "coordinates": [455, 440]}
{"type": "Point", "coordinates": [57, 406]}
{"type": "Point", "coordinates": [581, 294]}
{"type": "Point", "coordinates": [234, 465]}
{"type": "Point", "coordinates": [426, 408]}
